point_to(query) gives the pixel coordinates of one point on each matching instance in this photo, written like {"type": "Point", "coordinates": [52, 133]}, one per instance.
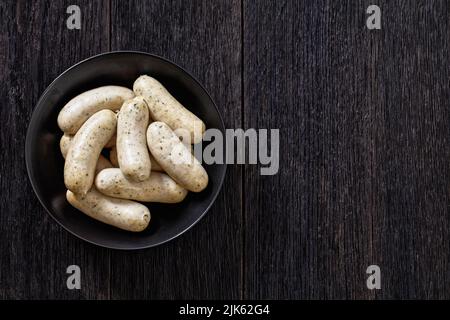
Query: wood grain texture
{"type": "Point", "coordinates": [411, 235]}
{"type": "Point", "coordinates": [364, 156]}
{"type": "Point", "coordinates": [204, 38]}
{"type": "Point", "coordinates": [364, 125]}
{"type": "Point", "coordinates": [36, 46]}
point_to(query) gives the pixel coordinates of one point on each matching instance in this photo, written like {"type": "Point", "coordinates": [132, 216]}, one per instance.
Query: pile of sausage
{"type": "Point", "coordinates": [148, 160]}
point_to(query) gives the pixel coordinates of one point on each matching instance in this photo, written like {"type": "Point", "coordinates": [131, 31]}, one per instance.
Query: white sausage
{"type": "Point", "coordinates": [79, 109]}
{"type": "Point", "coordinates": [132, 151]}
{"type": "Point", "coordinates": [164, 107]}
{"type": "Point", "coordinates": [81, 160]}
{"type": "Point", "coordinates": [124, 214]}
{"type": "Point", "coordinates": [64, 144]}
{"type": "Point", "coordinates": [158, 188]}
{"type": "Point", "coordinates": [175, 158]}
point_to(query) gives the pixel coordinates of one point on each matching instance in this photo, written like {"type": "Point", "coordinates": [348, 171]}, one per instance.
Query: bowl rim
{"type": "Point", "coordinates": [28, 146]}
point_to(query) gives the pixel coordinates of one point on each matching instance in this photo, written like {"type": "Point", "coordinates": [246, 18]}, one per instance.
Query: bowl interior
{"type": "Point", "coordinates": [45, 163]}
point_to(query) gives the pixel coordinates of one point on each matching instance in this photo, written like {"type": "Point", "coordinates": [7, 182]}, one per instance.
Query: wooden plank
{"type": "Point", "coordinates": [34, 250]}
{"type": "Point", "coordinates": [364, 177]}
{"type": "Point", "coordinates": [411, 69]}
{"type": "Point", "coordinates": [363, 118]}
{"type": "Point", "coordinates": [204, 38]}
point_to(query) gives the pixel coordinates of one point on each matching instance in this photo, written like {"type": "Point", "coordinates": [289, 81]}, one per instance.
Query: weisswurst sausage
{"type": "Point", "coordinates": [79, 109]}
{"type": "Point", "coordinates": [158, 188]}
{"type": "Point", "coordinates": [164, 107]}
{"type": "Point", "coordinates": [81, 160]}
{"type": "Point", "coordinates": [175, 158]}
{"type": "Point", "coordinates": [132, 151]}
{"type": "Point", "coordinates": [124, 214]}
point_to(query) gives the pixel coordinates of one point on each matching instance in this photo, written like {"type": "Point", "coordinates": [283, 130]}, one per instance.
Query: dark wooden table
{"type": "Point", "coordinates": [364, 119]}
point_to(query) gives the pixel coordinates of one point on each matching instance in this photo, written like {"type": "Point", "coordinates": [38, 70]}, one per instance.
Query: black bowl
{"type": "Point", "coordinates": [45, 163]}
